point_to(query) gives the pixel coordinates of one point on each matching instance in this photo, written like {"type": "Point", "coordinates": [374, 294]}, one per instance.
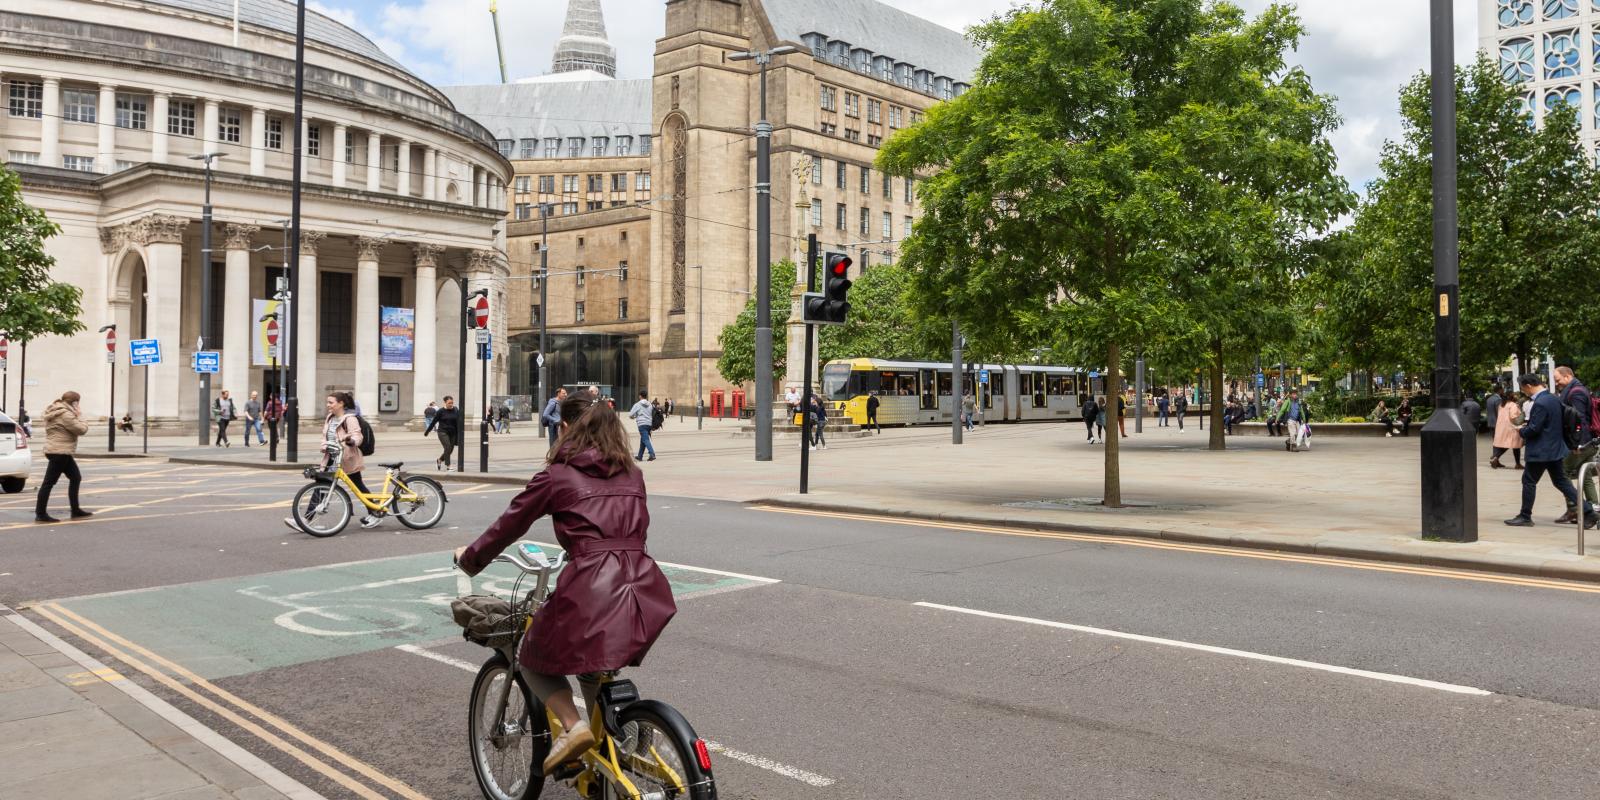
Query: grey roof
{"type": "Point", "coordinates": [558, 109]}
{"type": "Point", "coordinates": [883, 29]}
{"type": "Point", "coordinates": [279, 15]}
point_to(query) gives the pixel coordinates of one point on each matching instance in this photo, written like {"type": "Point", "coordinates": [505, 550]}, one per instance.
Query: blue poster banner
{"type": "Point", "coordinates": [396, 336]}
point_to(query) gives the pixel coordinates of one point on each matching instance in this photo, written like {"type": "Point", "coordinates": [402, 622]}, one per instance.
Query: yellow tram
{"type": "Point", "coordinates": [919, 392]}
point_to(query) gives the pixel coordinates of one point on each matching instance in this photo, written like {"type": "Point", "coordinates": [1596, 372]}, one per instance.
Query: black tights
{"type": "Point", "coordinates": [1516, 453]}
{"type": "Point", "coordinates": [60, 464]}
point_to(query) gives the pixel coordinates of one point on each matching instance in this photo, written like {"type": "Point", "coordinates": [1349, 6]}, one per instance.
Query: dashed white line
{"type": "Point", "coordinates": [1224, 651]}
{"type": "Point", "coordinates": [440, 657]}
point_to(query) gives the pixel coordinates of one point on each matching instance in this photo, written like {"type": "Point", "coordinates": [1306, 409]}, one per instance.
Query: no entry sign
{"type": "Point", "coordinates": [111, 341]}
{"type": "Point", "coordinates": [480, 312]}
{"type": "Point", "coordinates": [272, 332]}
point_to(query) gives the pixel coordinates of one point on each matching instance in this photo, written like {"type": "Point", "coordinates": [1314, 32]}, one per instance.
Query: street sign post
{"type": "Point", "coordinates": [480, 313]}
{"type": "Point", "coordinates": [111, 404]}
{"type": "Point", "coordinates": [145, 353]}
{"type": "Point", "coordinates": [111, 345]}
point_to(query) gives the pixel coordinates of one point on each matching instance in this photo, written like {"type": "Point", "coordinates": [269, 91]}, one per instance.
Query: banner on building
{"type": "Point", "coordinates": [397, 335]}
{"type": "Point", "coordinates": [263, 330]}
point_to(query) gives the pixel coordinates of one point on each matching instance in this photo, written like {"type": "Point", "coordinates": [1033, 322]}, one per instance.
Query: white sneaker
{"type": "Point", "coordinates": [292, 526]}
{"type": "Point", "coordinates": [370, 521]}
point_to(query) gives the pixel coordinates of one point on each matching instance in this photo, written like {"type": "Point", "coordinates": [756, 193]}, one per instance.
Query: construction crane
{"type": "Point", "coordinates": [494, 14]}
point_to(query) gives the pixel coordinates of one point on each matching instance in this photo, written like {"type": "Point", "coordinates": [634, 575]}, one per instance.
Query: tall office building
{"type": "Point", "coordinates": [1551, 48]}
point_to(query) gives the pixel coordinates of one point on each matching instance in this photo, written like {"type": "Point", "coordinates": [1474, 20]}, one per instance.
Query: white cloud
{"type": "Point", "coordinates": [344, 15]}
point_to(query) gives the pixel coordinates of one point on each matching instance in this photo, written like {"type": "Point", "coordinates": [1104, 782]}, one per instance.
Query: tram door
{"type": "Point", "coordinates": [929, 401]}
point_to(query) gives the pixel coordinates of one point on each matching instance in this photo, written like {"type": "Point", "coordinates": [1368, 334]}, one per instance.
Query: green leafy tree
{"type": "Point", "coordinates": [31, 304]}
{"type": "Point", "coordinates": [1109, 161]}
{"type": "Point", "coordinates": [738, 338]}
{"type": "Point", "coordinates": [881, 324]}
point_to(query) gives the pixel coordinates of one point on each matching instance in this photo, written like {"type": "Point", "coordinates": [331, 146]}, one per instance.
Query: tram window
{"type": "Point", "coordinates": [944, 384]}
{"type": "Point", "coordinates": [835, 381]}
{"type": "Point", "coordinates": [1038, 392]}
{"type": "Point", "coordinates": [1072, 385]}
{"type": "Point", "coordinates": [1058, 385]}
{"type": "Point", "coordinates": [897, 384]}
{"type": "Point", "coordinates": [1026, 381]}
{"type": "Point", "coordinates": [926, 390]}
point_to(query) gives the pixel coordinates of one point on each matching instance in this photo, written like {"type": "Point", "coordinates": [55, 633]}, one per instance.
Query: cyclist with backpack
{"type": "Point", "coordinates": [1580, 422]}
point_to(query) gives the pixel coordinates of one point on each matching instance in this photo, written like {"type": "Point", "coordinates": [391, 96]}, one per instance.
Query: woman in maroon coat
{"type": "Point", "coordinates": [612, 601]}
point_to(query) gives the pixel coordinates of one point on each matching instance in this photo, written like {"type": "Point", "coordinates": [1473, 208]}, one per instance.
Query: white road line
{"type": "Point", "coordinates": [1224, 651]}
{"type": "Point", "coordinates": [705, 570]}
{"type": "Point", "coordinates": [808, 778]}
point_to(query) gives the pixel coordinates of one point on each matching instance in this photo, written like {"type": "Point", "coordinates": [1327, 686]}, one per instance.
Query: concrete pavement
{"type": "Point", "coordinates": [1348, 496]}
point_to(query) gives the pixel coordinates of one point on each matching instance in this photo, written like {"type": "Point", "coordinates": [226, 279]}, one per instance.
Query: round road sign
{"type": "Point", "coordinates": [111, 340]}
{"type": "Point", "coordinates": [272, 331]}
{"type": "Point", "coordinates": [480, 312]}
{"type": "Point", "coordinates": [5, 348]}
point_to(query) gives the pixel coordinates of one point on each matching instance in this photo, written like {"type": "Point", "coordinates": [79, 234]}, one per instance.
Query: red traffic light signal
{"type": "Point", "coordinates": [831, 306]}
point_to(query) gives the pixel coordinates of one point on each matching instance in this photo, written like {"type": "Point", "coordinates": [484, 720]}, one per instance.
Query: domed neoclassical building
{"type": "Point", "coordinates": [108, 102]}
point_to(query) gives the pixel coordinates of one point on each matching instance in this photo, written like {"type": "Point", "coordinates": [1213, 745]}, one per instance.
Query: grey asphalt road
{"type": "Point", "coordinates": [834, 683]}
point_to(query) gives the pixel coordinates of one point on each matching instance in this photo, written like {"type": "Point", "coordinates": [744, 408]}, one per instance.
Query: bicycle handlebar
{"type": "Point", "coordinates": [517, 559]}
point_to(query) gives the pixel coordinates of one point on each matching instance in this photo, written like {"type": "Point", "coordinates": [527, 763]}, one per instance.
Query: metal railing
{"type": "Point", "coordinates": [1583, 478]}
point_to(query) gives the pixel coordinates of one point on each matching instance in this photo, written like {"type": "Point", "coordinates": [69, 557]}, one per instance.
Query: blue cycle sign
{"type": "Point", "coordinates": [144, 352]}
{"type": "Point", "coordinates": [208, 361]}
{"type": "Point", "coordinates": [983, 376]}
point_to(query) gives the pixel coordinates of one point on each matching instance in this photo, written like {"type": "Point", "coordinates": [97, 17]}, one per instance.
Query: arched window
{"type": "Point", "coordinates": [1516, 60]}
{"type": "Point", "coordinates": [1518, 12]}
{"type": "Point", "coordinates": [1561, 59]}
{"type": "Point", "coordinates": [1562, 95]}
{"type": "Point", "coordinates": [1560, 9]}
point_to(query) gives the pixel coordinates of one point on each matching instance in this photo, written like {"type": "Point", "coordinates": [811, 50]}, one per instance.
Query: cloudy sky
{"type": "Point", "coordinates": [1361, 51]}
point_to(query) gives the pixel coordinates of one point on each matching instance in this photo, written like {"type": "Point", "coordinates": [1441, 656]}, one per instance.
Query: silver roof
{"type": "Point", "coordinates": [558, 109]}
{"type": "Point", "coordinates": [883, 29]}
{"type": "Point", "coordinates": [279, 15]}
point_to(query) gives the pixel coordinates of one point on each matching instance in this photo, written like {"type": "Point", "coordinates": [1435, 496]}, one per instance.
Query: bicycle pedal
{"type": "Point", "coordinates": [567, 771]}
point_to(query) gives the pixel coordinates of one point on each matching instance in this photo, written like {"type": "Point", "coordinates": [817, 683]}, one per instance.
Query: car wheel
{"type": "Point", "coordinates": [13, 485]}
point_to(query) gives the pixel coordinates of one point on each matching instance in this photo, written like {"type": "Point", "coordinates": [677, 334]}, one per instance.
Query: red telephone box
{"type": "Point", "coordinates": [716, 402]}
{"type": "Point", "coordinates": [738, 403]}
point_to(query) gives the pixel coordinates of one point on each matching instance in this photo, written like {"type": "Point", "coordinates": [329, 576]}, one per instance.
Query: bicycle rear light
{"type": "Point", "coordinates": [702, 753]}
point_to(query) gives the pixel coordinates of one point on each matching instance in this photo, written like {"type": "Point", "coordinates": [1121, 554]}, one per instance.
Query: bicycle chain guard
{"type": "Point", "coordinates": [613, 697]}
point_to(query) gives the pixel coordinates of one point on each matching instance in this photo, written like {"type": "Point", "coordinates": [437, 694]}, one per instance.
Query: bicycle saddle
{"type": "Point", "coordinates": [392, 465]}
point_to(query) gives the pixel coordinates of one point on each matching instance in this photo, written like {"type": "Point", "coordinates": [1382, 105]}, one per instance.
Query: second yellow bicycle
{"type": "Point", "coordinates": [326, 505]}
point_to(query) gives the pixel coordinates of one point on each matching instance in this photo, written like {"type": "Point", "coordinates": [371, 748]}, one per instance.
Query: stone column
{"type": "Point", "coordinates": [50, 124]}
{"type": "Point", "coordinates": [480, 192]}
{"type": "Point", "coordinates": [213, 118]}
{"type": "Point", "coordinates": [425, 368]}
{"type": "Point", "coordinates": [307, 158]}
{"type": "Point", "coordinates": [428, 173]}
{"type": "Point", "coordinates": [258, 141]}
{"type": "Point", "coordinates": [441, 176]}
{"type": "Point", "coordinates": [340, 137]}
{"type": "Point", "coordinates": [368, 251]}
{"type": "Point", "coordinates": [158, 127]}
{"type": "Point", "coordinates": [236, 317]}
{"type": "Point", "coordinates": [105, 161]}
{"type": "Point", "coordinates": [374, 162]}
{"type": "Point", "coordinates": [403, 174]}
{"type": "Point", "coordinates": [305, 349]}
{"type": "Point", "coordinates": [162, 237]}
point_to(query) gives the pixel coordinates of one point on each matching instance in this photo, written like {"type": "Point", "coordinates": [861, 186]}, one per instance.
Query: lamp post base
{"type": "Point", "coordinates": [1449, 478]}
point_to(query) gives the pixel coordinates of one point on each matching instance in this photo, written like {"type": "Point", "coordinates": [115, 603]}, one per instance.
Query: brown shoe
{"type": "Point", "coordinates": [1494, 463]}
{"type": "Point", "coordinates": [1569, 518]}
{"type": "Point", "coordinates": [568, 746]}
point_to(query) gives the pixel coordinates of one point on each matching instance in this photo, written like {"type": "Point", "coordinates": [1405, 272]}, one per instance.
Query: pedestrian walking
{"type": "Point", "coordinates": [1274, 408]}
{"type": "Point", "coordinates": [872, 412]}
{"type": "Point", "coordinates": [550, 417]}
{"type": "Point", "coordinates": [1506, 434]}
{"type": "Point", "coordinates": [612, 601]}
{"type": "Point", "coordinates": [1163, 403]}
{"type": "Point", "coordinates": [1576, 396]}
{"type": "Point", "coordinates": [252, 418]}
{"type": "Point", "coordinates": [1295, 415]}
{"type": "Point", "coordinates": [341, 441]}
{"type": "Point", "coordinates": [644, 417]}
{"type": "Point", "coordinates": [1491, 407]}
{"type": "Point", "coordinates": [1100, 419]}
{"type": "Point", "coordinates": [445, 421]}
{"type": "Point", "coordinates": [819, 422]}
{"type": "Point", "coordinates": [1122, 414]}
{"type": "Point", "coordinates": [272, 412]}
{"type": "Point", "coordinates": [1472, 414]}
{"type": "Point", "coordinates": [1181, 408]}
{"type": "Point", "coordinates": [225, 412]}
{"type": "Point", "coordinates": [969, 409]}
{"type": "Point", "coordinates": [1547, 449]}
{"type": "Point", "coordinates": [427, 413]}
{"type": "Point", "coordinates": [63, 424]}
{"type": "Point", "coordinates": [1091, 413]}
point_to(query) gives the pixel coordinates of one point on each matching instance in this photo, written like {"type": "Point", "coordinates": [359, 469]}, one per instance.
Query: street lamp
{"type": "Point", "coordinates": [700, 347]}
{"type": "Point", "coordinates": [544, 310]}
{"type": "Point", "coordinates": [204, 411]}
{"type": "Point", "coordinates": [763, 255]}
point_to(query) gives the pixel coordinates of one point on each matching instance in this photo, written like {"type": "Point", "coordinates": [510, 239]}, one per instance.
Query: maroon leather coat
{"type": "Point", "coordinates": [611, 601]}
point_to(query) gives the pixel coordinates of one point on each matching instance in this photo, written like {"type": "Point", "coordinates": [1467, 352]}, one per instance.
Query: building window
{"type": "Point", "coordinates": [816, 170]}
{"type": "Point", "coordinates": [596, 205]}
{"type": "Point", "coordinates": [22, 157]}
{"type": "Point", "coordinates": [527, 147]}
{"type": "Point", "coordinates": [841, 176]}
{"type": "Point", "coordinates": [1561, 59]}
{"type": "Point", "coordinates": [533, 314]}
{"type": "Point", "coordinates": [229, 126]}
{"type": "Point", "coordinates": [599, 146]}
{"type": "Point", "coordinates": [569, 184]}
{"type": "Point", "coordinates": [78, 105]}
{"type": "Point", "coordinates": [597, 183]}
{"type": "Point", "coordinates": [334, 318]}
{"type": "Point", "coordinates": [622, 308]}
{"type": "Point", "coordinates": [641, 182]}
{"type": "Point", "coordinates": [852, 104]}
{"type": "Point", "coordinates": [524, 211]}
{"type": "Point", "coordinates": [830, 98]}
{"type": "Point", "coordinates": [644, 145]}
{"type": "Point", "coordinates": [888, 226]}
{"type": "Point", "coordinates": [582, 274]}
{"type": "Point", "coordinates": [574, 147]}
{"type": "Point", "coordinates": [911, 189]}
{"type": "Point", "coordinates": [866, 224]}
{"type": "Point", "coordinates": [522, 183]}
{"type": "Point", "coordinates": [79, 163]}
{"type": "Point", "coordinates": [838, 213]}
{"type": "Point", "coordinates": [906, 231]}
{"type": "Point", "coordinates": [816, 213]}
{"type": "Point", "coordinates": [828, 128]}
{"type": "Point", "coordinates": [873, 140]}
{"type": "Point", "coordinates": [622, 266]}
{"type": "Point", "coordinates": [314, 140]}
{"type": "Point", "coordinates": [1515, 12]}
{"type": "Point", "coordinates": [852, 134]}
{"type": "Point", "coordinates": [133, 112]}
{"type": "Point", "coordinates": [888, 186]}
{"type": "Point", "coordinates": [349, 149]}
{"type": "Point", "coordinates": [866, 181]}
{"type": "Point", "coordinates": [505, 146]}
{"type": "Point", "coordinates": [916, 117]}
{"type": "Point", "coordinates": [619, 181]}
{"type": "Point", "coordinates": [1560, 9]}
{"type": "Point", "coordinates": [624, 145]}
{"type": "Point", "coordinates": [894, 117]}
{"type": "Point", "coordinates": [274, 133]}
{"type": "Point", "coordinates": [27, 99]}
{"type": "Point", "coordinates": [577, 311]}
{"type": "Point", "coordinates": [874, 110]}
{"type": "Point", "coordinates": [569, 208]}
{"type": "Point", "coordinates": [552, 148]}
{"type": "Point", "coordinates": [391, 291]}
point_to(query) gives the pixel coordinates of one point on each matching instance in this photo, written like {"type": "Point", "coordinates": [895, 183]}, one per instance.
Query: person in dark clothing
{"type": "Point", "coordinates": [63, 424]}
{"type": "Point", "coordinates": [1180, 405]}
{"type": "Point", "coordinates": [1162, 405]}
{"type": "Point", "coordinates": [1122, 422]}
{"type": "Point", "coordinates": [1576, 396]}
{"type": "Point", "coordinates": [1403, 416]}
{"type": "Point", "coordinates": [551, 416]}
{"type": "Point", "coordinates": [1546, 450]}
{"type": "Point", "coordinates": [1472, 413]}
{"type": "Point", "coordinates": [1091, 413]}
{"type": "Point", "coordinates": [819, 421]}
{"type": "Point", "coordinates": [872, 412]}
{"type": "Point", "coordinates": [445, 421]}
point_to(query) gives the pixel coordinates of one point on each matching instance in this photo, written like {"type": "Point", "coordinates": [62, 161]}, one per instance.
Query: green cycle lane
{"type": "Point", "coordinates": [236, 626]}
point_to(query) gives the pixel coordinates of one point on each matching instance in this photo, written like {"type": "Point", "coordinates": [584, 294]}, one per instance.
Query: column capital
{"type": "Point", "coordinates": [427, 254]}
{"type": "Point", "coordinates": [157, 229]}
{"type": "Point", "coordinates": [108, 87]}
{"type": "Point", "coordinates": [482, 260]}
{"type": "Point", "coordinates": [238, 236]}
{"type": "Point", "coordinates": [309, 240]}
{"type": "Point", "coordinates": [367, 247]}
{"type": "Point", "coordinates": [112, 238]}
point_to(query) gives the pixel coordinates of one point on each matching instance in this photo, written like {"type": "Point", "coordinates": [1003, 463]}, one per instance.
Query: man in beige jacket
{"type": "Point", "coordinates": [63, 424]}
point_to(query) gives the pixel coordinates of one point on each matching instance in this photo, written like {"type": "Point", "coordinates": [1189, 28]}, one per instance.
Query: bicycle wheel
{"type": "Point", "coordinates": [427, 509]}
{"type": "Point", "coordinates": [661, 754]}
{"type": "Point", "coordinates": [321, 509]}
{"type": "Point", "coordinates": [508, 749]}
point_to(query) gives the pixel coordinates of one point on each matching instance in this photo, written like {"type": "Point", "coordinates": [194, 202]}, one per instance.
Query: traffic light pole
{"type": "Point", "coordinates": [291, 255]}
{"type": "Point", "coordinates": [483, 426]}
{"type": "Point", "coordinates": [957, 385]}
{"type": "Point", "coordinates": [805, 396]}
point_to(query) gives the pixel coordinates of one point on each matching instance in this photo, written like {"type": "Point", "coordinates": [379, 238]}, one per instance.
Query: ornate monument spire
{"type": "Point", "coordinates": [583, 44]}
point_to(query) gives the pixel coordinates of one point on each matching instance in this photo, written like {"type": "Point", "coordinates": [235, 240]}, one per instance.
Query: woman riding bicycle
{"type": "Point", "coordinates": [612, 600]}
{"type": "Point", "coordinates": [341, 438]}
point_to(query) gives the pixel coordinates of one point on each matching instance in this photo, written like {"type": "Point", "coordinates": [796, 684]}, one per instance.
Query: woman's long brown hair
{"type": "Point", "coordinates": [591, 425]}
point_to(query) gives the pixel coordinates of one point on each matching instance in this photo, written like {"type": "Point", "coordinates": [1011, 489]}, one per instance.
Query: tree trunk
{"type": "Point", "coordinates": [1522, 358]}
{"type": "Point", "coordinates": [1113, 483]}
{"type": "Point", "coordinates": [1218, 441]}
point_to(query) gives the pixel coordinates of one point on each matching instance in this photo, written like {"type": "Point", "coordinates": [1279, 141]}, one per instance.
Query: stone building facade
{"type": "Point", "coordinates": [1551, 50]}
{"type": "Point", "coordinates": [108, 103]}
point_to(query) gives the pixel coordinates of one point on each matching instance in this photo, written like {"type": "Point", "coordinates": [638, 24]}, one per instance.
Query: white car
{"type": "Point", "coordinates": [16, 460]}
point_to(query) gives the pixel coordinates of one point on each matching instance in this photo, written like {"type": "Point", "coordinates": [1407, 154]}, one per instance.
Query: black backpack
{"type": "Point", "coordinates": [657, 418]}
{"type": "Point", "coordinates": [369, 442]}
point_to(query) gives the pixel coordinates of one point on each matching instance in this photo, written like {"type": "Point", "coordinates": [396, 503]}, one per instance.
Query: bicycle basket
{"type": "Point", "coordinates": [487, 620]}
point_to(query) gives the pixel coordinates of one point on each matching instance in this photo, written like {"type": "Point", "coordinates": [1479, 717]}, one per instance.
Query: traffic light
{"type": "Point", "coordinates": [832, 305]}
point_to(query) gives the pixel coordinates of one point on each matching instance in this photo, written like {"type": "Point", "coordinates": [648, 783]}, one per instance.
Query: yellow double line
{"type": "Point", "coordinates": [1187, 547]}
{"type": "Point", "coordinates": [235, 709]}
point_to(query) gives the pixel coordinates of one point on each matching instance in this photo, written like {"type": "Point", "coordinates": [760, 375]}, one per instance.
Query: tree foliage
{"type": "Point", "coordinates": [738, 338]}
{"type": "Point", "coordinates": [1123, 173]}
{"type": "Point", "coordinates": [31, 304]}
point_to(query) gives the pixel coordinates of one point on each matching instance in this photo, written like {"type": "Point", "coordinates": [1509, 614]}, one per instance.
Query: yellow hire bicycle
{"type": "Point", "coordinates": [644, 749]}
{"type": "Point", "coordinates": [324, 507]}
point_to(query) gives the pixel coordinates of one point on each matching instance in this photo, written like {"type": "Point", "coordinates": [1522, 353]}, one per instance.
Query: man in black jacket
{"type": "Point", "coordinates": [1546, 450]}
{"type": "Point", "coordinates": [872, 412]}
{"type": "Point", "coordinates": [1576, 396]}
